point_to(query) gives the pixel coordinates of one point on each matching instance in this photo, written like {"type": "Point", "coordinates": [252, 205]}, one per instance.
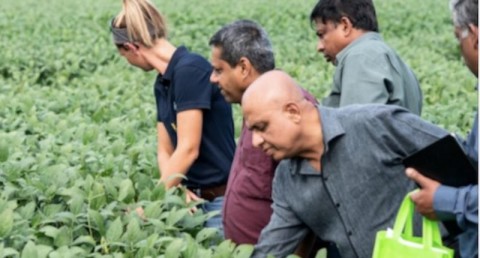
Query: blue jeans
{"type": "Point", "coordinates": [216, 221]}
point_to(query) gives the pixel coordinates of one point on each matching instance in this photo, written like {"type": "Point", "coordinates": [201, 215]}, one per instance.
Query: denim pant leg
{"type": "Point", "coordinates": [216, 221]}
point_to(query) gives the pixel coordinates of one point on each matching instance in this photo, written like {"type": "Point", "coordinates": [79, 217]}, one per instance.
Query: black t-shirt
{"type": "Point", "coordinates": [184, 86]}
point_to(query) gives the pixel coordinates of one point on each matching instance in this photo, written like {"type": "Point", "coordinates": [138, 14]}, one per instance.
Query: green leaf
{"type": "Point", "coordinates": [126, 192]}
{"type": "Point", "coordinates": [118, 255]}
{"type": "Point", "coordinates": [174, 249]}
{"type": "Point", "coordinates": [6, 222]}
{"type": "Point", "coordinates": [115, 231]}
{"type": "Point", "coordinates": [175, 200]}
{"type": "Point", "coordinates": [27, 211]}
{"type": "Point", "coordinates": [4, 152]}
{"type": "Point", "coordinates": [130, 135]}
{"type": "Point", "coordinates": [133, 233]}
{"type": "Point", "coordinates": [30, 250]}
{"type": "Point", "coordinates": [52, 209]}
{"type": "Point", "coordinates": [84, 240]}
{"type": "Point", "coordinates": [149, 242]}
{"type": "Point", "coordinates": [43, 251]}
{"type": "Point", "coordinates": [97, 196]}
{"type": "Point", "coordinates": [50, 231]}
{"type": "Point", "coordinates": [158, 224]}
{"type": "Point", "coordinates": [64, 237]}
{"type": "Point", "coordinates": [224, 250]}
{"type": "Point", "coordinates": [147, 246]}
{"type": "Point", "coordinates": [243, 251]}
{"type": "Point", "coordinates": [204, 253]}
{"type": "Point", "coordinates": [76, 204]}
{"type": "Point", "coordinates": [110, 188]}
{"type": "Point", "coordinates": [143, 181]}
{"type": "Point", "coordinates": [206, 234]}
{"type": "Point", "coordinates": [191, 247]}
{"type": "Point", "coordinates": [97, 220]}
{"type": "Point", "coordinates": [144, 195]}
{"type": "Point", "coordinates": [158, 194]}
{"type": "Point", "coordinates": [321, 253]}
{"type": "Point", "coordinates": [194, 221]}
{"type": "Point", "coordinates": [66, 252]}
{"type": "Point", "coordinates": [9, 252]}
{"type": "Point", "coordinates": [175, 216]}
{"type": "Point", "coordinates": [65, 217]}
{"type": "Point", "coordinates": [153, 210]}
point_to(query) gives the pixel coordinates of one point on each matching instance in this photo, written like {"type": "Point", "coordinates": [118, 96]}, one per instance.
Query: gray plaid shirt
{"type": "Point", "coordinates": [360, 187]}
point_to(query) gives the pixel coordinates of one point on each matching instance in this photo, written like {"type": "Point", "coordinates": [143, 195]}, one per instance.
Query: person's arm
{"type": "Point", "coordinates": [285, 230]}
{"type": "Point", "coordinates": [189, 132]}
{"type": "Point", "coordinates": [365, 79]}
{"type": "Point", "coordinates": [164, 147]}
{"type": "Point", "coordinates": [436, 201]}
{"type": "Point", "coordinates": [470, 145]}
{"type": "Point", "coordinates": [459, 204]}
{"type": "Point", "coordinates": [282, 235]}
{"type": "Point", "coordinates": [192, 93]}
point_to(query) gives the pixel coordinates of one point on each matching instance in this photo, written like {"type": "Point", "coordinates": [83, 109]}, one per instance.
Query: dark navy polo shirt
{"type": "Point", "coordinates": [184, 86]}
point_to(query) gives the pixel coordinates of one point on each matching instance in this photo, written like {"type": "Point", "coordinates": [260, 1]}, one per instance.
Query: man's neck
{"type": "Point", "coordinates": [313, 138]}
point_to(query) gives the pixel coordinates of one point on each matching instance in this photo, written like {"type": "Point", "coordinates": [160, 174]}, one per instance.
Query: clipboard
{"type": "Point", "coordinates": [444, 161]}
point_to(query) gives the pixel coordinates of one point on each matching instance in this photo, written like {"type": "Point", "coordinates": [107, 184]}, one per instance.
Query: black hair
{"type": "Point", "coordinates": [361, 13]}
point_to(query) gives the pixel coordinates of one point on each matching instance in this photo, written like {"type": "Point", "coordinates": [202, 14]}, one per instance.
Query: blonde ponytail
{"type": "Point", "coordinates": [142, 21]}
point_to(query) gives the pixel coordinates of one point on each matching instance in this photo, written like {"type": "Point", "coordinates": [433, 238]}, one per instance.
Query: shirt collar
{"type": "Point", "coordinates": [331, 129]}
{"type": "Point", "coordinates": [177, 55]}
{"type": "Point", "coordinates": [331, 126]}
{"type": "Point", "coordinates": [365, 37]}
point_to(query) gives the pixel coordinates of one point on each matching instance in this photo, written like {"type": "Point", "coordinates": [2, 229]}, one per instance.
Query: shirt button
{"type": "Point", "coordinates": [350, 233]}
{"type": "Point", "coordinates": [337, 204]}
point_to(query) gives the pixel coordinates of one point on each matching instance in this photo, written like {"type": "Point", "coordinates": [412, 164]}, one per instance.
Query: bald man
{"type": "Point", "coordinates": [341, 174]}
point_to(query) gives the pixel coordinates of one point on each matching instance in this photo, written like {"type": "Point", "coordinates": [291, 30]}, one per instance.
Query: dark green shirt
{"type": "Point", "coordinates": [369, 71]}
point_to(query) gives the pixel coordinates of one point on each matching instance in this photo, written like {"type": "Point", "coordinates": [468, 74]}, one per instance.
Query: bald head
{"type": "Point", "coordinates": [279, 116]}
{"type": "Point", "coordinates": [272, 89]}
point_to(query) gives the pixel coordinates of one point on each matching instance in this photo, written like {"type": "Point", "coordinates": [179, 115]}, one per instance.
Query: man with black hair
{"type": "Point", "coordinates": [241, 52]}
{"type": "Point", "coordinates": [368, 71]}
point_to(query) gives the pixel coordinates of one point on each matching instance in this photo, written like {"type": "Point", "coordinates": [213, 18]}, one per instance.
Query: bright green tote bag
{"type": "Point", "coordinates": [400, 242]}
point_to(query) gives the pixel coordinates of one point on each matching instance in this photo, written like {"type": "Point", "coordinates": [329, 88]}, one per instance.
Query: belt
{"type": "Point", "coordinates": [210, 193]}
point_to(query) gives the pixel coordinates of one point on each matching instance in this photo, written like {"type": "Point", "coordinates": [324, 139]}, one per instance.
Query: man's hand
{"type": "Point", "coordinates": [191, 196]}
{"type": "Point", "coordinates": [423, 198]}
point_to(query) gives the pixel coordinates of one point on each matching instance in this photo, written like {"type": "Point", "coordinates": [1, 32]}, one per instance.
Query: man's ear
{"type": "Point", "coordinates": [346, 26]}
{"type": "Point", "coordinates": [245, 67]}
{"type": "Point", "coordinates": [474, 31]}
{"type": "Point", "coordinates": [292, 111]}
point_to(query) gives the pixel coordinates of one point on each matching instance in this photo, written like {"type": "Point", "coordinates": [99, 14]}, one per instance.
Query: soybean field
{"type": "Point", "coordinates": [78, 128]}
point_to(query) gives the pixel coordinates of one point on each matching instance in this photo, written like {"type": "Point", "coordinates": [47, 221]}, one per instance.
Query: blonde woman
{"type": "Point", "coordinates": [195, 127]}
